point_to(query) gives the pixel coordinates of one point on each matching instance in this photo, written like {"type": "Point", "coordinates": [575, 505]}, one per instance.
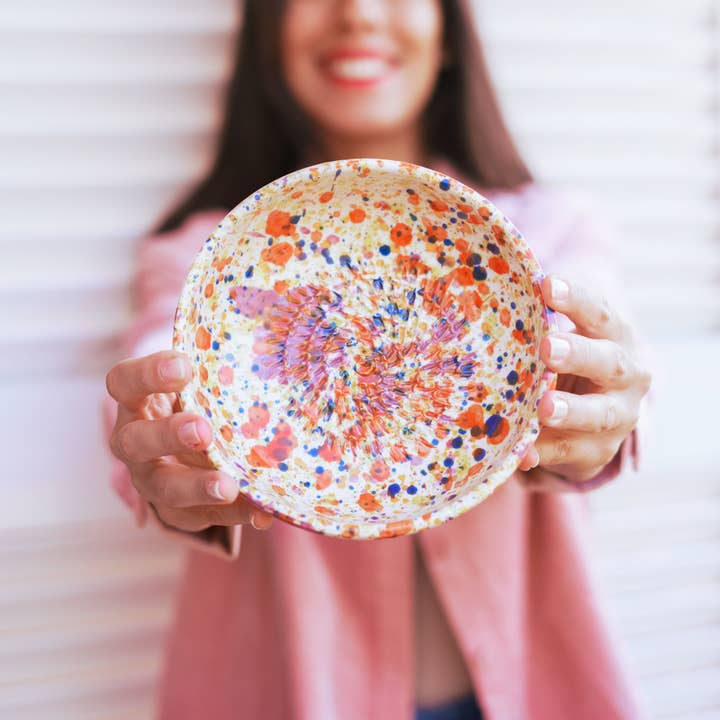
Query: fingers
{"type": "Point", "coordinates": [144, 440]}
{"type": "Point", "coordinates": [239, 512]}
{"type": "Point", "coordinates": [132, 380]}
{"type": "Point", "coordinates": [603, 361]}
{"type": "Point", "coordinates": [529, 460]}
{"type": "Point", "coordinates": [591, 312]}
{"type": "Point", "coordinates": [592, 413]}
{"type": "Point", "coordinates": [557, 448]}
{"type": "Point", "coordinates": [172, 485]}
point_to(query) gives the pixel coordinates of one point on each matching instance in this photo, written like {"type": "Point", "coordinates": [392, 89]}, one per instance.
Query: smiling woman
{"type": "Point", "coordinates": [503, 589]}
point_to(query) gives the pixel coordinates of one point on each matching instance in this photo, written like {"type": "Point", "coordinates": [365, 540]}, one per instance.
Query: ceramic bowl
{"type": "Point", "coordinates": [365, 340]}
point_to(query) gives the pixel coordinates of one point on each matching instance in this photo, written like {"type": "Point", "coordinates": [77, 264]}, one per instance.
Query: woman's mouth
{"type": "Point", "coordinates": [357, 71]}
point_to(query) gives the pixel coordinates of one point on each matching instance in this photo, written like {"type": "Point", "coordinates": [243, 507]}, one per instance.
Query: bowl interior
{"type": "Point", "coordinates": [365, 340]}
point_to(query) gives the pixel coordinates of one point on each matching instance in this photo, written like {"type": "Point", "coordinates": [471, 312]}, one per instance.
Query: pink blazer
{"type": "Point", "coordinates": [295, 625]}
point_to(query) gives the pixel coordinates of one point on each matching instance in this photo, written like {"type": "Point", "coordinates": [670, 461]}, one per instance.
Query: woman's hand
{"type": "Point", "coordinates": [585, 428]}
{"type": "Point", "coordinates": [162, 447]}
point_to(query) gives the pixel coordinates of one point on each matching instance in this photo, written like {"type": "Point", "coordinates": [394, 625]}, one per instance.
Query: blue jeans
{"type": "Point", "coordinates": [465, 708]}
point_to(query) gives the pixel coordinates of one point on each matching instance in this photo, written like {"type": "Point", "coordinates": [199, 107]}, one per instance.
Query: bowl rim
{"type": "Point", "coordinates": [455, 506]}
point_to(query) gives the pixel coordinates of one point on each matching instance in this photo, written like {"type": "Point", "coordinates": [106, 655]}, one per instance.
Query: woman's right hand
{"type": "Point", "coordinates": [162, 447]}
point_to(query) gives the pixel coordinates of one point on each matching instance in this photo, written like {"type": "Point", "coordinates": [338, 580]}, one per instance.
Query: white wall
{"type": "Point", "coordinates": [109, 112]}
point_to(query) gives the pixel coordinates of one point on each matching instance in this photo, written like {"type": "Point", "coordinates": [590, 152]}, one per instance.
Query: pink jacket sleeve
{"type": "Point", "coordinates": [588, 249]}
{"type": "Point", "coordinates": [162, 265]}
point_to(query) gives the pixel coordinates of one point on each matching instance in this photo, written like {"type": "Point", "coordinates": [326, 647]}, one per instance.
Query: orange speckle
{"type": "Point", "coordinates": [471, 303]}
{"type": "Point", "coordinates": [331, 451]}
{"type": "Point", "coordinates": [278, 223]}
{"type": "Point", "coordinates": [401, 234]}
{"type": "Point", "coordinates": [220, 263]}
{"type": "Point", "coordinates": [203, 374]}
{"type": "Point", "coordinates": [369, 503]}
{"type": "Point", "coordinates": [249, 430]}
{"type": "Point", "coordinates": [323, 510]}
{"type": "Point", "coordinates": [463, 276]}
{"type": "Point", "coordinates": [202, 338]}
{"type": "Point", "coordinates": [397, 527]}
{"type": "Point", "coordinates": [411, 265]}
{"type": "Point", "coordinates": [379, 471]}
{"type": "Point", "coordinates": [505, 317]}
{"type": "Point", "coordinates": [279, 489]}
{"type": "Point", "coordinates": [498, 264]}
{"type": "Point", "coordinates": [435, 233]}
{"type": "Point", "coordinates": [280, 286]}
{"type": "Point", "coordinates": [208, 290]}
{"type": "Point", "coordinates": [484, 213]}
{"type": "Point", "coordinates": [472, 417]}
{"type": "Point", "coordinates": [357, 215]}
{"type": "Point", "coordinates": [259, 415]}
{"type": "Point", "coordinates": [278, 254]}
{"type": "Point", "coordinates": [438, 206]}
{"type": "Point", "coordinates": [326, 196]}
{"type": "Point", "coordinates": [501, 431]}
{"type": "Point", "coordinates": [226, 374]}
{"type": "Point", "coordinates": [226, 432]}
{"type": "Point", "coordinates": [498, 232]}
{"type": "Point", "coordinates": [324, 479]}
{"type": "Point", "coordinates": [413, 198]}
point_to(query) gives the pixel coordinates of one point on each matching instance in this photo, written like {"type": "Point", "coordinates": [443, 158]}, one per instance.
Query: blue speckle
{"type": "Point", "coordinates": [411, 490]}
{"type": "Point", "coordinates": [519, 325]}
{"type": "Point", "coordinates": [457, 442]}
{"type": "Point", "coordinates": [448, 462]}
{"type": "Point", "coordinates": [393, 489]}
{"type": "Point", "coordinates": [283, 466]}
{"type": "Point", "coordinates": [215, 345]}
{"type": "Point", "coordinates": [512, 377]}
{"type": "Point", "coordinates": [384, 249]}
{"type": "Point", "coordinates": [444, 184]}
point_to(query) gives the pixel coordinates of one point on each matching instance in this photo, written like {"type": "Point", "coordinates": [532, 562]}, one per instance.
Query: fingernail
{"type": "Point", "coordinates": [558, 288]}
{"type": "Point", "coordinates": [173, 370]}
{"type": "Point", "coordinates": [560, 409]}
{"type": "Point", "coordinates": [261, 521]}
{"type": "Point", "coordinates": [188, 434]}
{"type": "Point", "coordinates": [536, 459]}
{"type": "Point", "coordinates": [559, 348]}
{"type": "Point", "coordinates": [222, 489]}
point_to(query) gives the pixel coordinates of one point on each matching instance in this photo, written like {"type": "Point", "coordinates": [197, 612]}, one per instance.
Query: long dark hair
{"type": "Point", "coordinates": [266, 134]}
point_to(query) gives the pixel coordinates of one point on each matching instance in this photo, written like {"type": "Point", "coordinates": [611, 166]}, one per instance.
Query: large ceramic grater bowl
{"type": "Point", "coordinates": [365, 341]}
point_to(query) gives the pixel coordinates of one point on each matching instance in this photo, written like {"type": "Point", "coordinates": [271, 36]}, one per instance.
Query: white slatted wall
{"type": "Point", "coordinates": [621, 100]}
{"type": "Point", "coordinates": [109, 111]}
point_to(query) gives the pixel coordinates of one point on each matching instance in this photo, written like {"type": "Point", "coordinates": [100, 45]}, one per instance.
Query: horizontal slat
{"type": "Point", "coordinates": [688, 691]}
{"type": "Point", "coordinates": [662, 607]}
{"type": "Point", "coordinates": [677, 651]}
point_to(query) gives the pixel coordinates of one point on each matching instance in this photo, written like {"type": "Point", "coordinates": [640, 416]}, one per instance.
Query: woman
{"type": "Point", "coordinates": [490, 615]}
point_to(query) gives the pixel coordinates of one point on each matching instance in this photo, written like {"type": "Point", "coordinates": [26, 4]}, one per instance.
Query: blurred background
{"type": "Point", "coordinates": [110, 112]}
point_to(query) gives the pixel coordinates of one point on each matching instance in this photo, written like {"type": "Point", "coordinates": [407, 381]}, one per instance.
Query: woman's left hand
{"type": "Point", "coordinates": [584, 429]}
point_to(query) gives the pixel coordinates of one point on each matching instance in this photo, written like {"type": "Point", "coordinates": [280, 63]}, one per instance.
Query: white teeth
{"type": "Point", "coordinates": [358, 69]}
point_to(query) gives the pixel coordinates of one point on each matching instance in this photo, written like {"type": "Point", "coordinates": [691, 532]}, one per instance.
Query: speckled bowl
{"type": "Point", "coordinates": [365, 339]}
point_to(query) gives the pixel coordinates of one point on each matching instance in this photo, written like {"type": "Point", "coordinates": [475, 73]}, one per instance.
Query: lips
{"type": "Point", "coordinates": [357, 67]}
